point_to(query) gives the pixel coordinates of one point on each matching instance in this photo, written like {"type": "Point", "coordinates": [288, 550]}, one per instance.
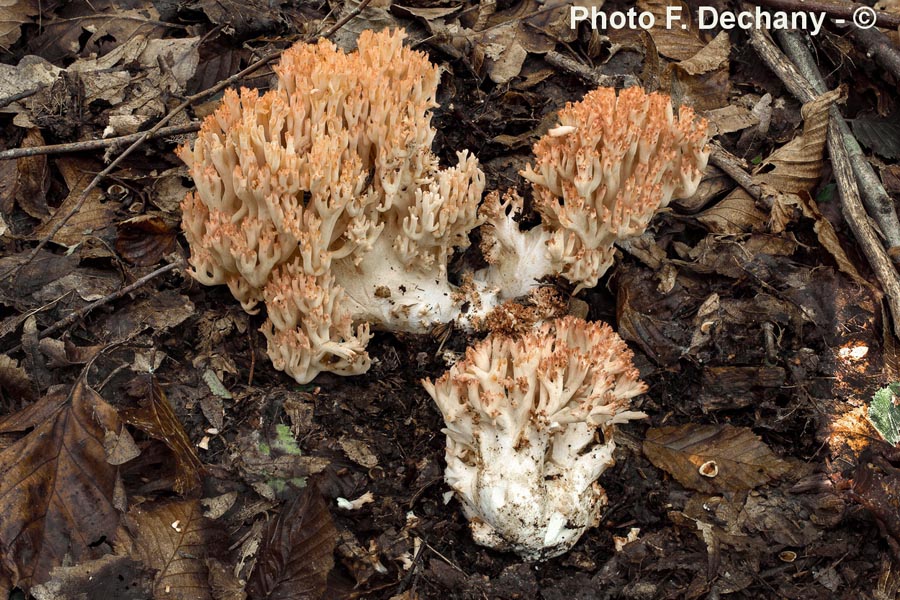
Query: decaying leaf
{"type": "Point", "coordinates": [94, 217]}
{"type": "Point", "coordinates": [157, 420]}
{"type": "Point", "coordinates": [680, 42]}
{"type": "Point", "coordinates": [144, 240]}
{"type": "Point", "coordinates": [743, 460]}
{"type": "Point", "coordinates": [56, 486]}
{"type": "Point", "coordinates": [297, 551]}
{"type": "Point", "coordinates": [795, 167]}
{"type": "Point", "coordinates": [14, 14]}
{"type": "Point", "coordinates": [175, 539]}
{"type": "Point", "coordinates": [15, 386]}
{"type": "Point", "coordinates": [879, 134]}
{"type": "Point", "coordinates": [25, 181]}
{"type": "Point", "coordinates": [112, 576]}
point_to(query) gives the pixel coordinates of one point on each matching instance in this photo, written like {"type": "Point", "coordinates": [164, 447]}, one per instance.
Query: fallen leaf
{"type": "Point", "coordinates": [881, 135]}
{"type": "Point", "coordinates": [743, 460]}
{"type": "Point", "coordinates": [297, 551]}
{"type": "Point", "coordinates": [14, 14]}
{"type": "Point", "coordinates": [157, 419]}
{"type": "Point", "coordinates": [795, 167]}
{"type": "Point", "coordinates": [56, 486]}
{"type": "Point", "coordinates": [682, 40]}
{"type": "Point", "coordinates": [175, 539]}
{"type": "Point", "coordinates": [729, 119]}
{"type": "Point", "coordinates": [112, 576]}
{"type": "Point", "coordinates": [15, 386]}
{"type": "Point", "coordinates": [25, 181]}
{"type": "Point", "coordinates": [884, 413]}
{"type": "Point", "coordinates": [94, 217]}
{"type": "Point", "coordinates": [712, 57]}
{"type": "Point", "coordinates": [144, 240]}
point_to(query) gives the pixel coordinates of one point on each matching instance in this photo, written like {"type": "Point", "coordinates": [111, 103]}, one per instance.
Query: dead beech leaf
{"type": "Point", "coordinates": [56, 486]}
{"type": "Point", "coordinates": [744, 461]}
{"type": "Point", "coordinates": [297, 551]}
{"type": "Point", "coordinates": [25, 181]}
{"type": "Point", "coordinates": [14, 14]}
{"type": "Point", "coordinates": [93, 217]}
{"type": "Point", "coordinates": [111, 576]}
{"type": "Point", "coordinates": [712, 57]}
{"type": "Point", "coordinates": [729, 119]}
{"type": "Point", "coordinates": [175, 539]}
{"type": "Point", "coordinates": [795, 167]}
{"type": "Point", "coordinates": [156, 419]}
{"type": "Point", "coordinates": [144, 240]}
{"type": "Point", "coordinates": [682, 40]}
{"type": "Point", "coordinates": [15, 386]}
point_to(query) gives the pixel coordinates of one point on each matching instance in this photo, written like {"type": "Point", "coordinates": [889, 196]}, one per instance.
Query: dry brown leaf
{"type": "Point", "coordinates": [112, 576]}
{"type": "Point", "coordinates": [712, 57]}
{"type": "Point", "coordinates": [736, 213]}
{"type": "Point", "coordinates": [175, 539]}
{"type": "Point", "coordinates": [673, 42]}
{"type": "Point", "coordinates": [14, 14]}
{"type": "Point", "coordinates": [795, 167]}
{"type": "Point", "coordinates": [157, 420]}
{"type": "Point", "coordinates": [729, 119]}
{"type": "Point", "coordinates": [56, 486]}
{"type": "Point", "coordinates": [93, 217]}
{"type": "Point", "coordinates": [15, 386]}
{"type": "Point", "coordinates": [144, 240]}
{"type": "Point", "coordinates": [743, 461]}
{"type": "Point", "coordinates": [297, 551]}
{"type": "Point", "coordinates": [26, 181]}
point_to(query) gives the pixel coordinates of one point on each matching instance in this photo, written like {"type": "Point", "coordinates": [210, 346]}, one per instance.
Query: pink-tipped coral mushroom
{"type": "Point", "coordinates": [529, 430]}
{"type": "Point", "coordinates": [599, 177]}
{"type": "Point", "coordinates": [323, 200]}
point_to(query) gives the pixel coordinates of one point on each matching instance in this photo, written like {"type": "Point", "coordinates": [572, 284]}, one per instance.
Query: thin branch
{"type": "Point", "coordinates": [851, 205]}
{"type": "Point", "coordinates": [172, 113]}
{"type": "Point", "coordinates": [731, 165]}
{"type": "Point", "coordinates": [878, 203]}
{"type": "Point", "coordinates": [840, 10]}
{"type": "Point", "coordinates": [79, 314]}
{"type": "Point", "coordinates": [879, 46]}
{"type": "Point", "coordinates": [21, 96]}
{"type": "Point", "coordinates": [95, 144]}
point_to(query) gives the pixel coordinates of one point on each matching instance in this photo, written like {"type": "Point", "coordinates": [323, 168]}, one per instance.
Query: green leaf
{"type": "Point", "coordinates": [884, 414]}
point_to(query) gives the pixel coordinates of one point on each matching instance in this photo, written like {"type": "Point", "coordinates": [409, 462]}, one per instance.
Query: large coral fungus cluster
{"type": "Point", "coordinates": [599, 177]}
{"type": "Point", "coordinates": [529, 431]}
{"type": "Point", "coordinates": [322, 199]}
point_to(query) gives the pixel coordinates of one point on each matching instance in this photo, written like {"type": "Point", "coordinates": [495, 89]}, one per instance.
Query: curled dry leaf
{"type": "Point", "coordinates": [795, 167]}
{"type": "Point", "coordinates": [56, 486]}
{"type": "Point", "coordinates": [157, 420]}
{"type": "Point", "coordinates": [14, 14]}
{"type": "Point", "coordinates": [297, 551]}
{"type": "Point", "coordinates": [175, 539]}
{"type": "Point", "coordinates": [744, 461]}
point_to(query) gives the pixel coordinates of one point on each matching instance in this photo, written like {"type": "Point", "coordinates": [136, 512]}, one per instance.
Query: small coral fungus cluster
{"type": "Point", "coordinates": [322, 200]}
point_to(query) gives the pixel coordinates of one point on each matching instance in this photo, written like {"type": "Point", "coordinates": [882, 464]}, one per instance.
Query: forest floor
{"type": "Point", "coordinates": [149, 449]}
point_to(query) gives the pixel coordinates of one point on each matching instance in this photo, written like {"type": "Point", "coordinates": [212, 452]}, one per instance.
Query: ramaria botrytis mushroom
{"type": "Point", "coordinates": [530, 425]}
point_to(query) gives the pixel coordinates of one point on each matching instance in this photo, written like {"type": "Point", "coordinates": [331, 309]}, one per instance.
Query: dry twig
{"type": "Point", "coordinates": [840, 10]}
{"type": "Point", "coordinates": [879, 204]}
{"type": "Point", "coordinates": [879, 47]}
{"type": "Point", "coordinates": [100, 144]}
{"type": "Point", "coordinates": [852, 207]}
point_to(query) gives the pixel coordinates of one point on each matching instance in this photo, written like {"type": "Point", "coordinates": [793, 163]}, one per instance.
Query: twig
{"type": "Point", "coordinates": [171, 114]}
{"type": "Point", "coordinates": [589, 75]}
{"type": "Point", "coordinates": [879, 204]}
{"type": "Point", "coordinates": [95, 144]}
{"type": "Point", "coordinates": [732, 167]}
{"type": "Point", "coordinates": [879, 46]}
{"type": "Point", "coordinates": [851, 205]}
{"type": "Point", "coordinates": [20, 96]}
{"type": "Point", "coordinates": [841, 10]}
{"type": "Point", "coordinates": [79, 314]}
